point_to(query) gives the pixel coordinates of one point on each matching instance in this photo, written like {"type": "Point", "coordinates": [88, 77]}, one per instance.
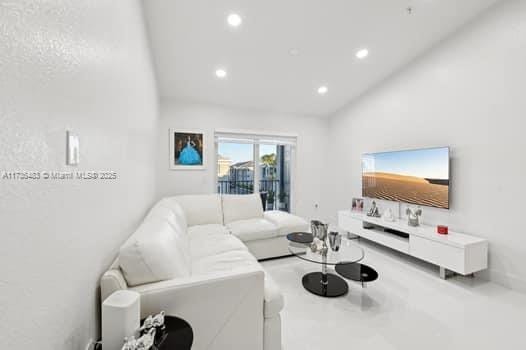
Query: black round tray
{"type": "Point", "coordinates": [356, 272]}
{"type": "Point", "coordinates": [300, 237]}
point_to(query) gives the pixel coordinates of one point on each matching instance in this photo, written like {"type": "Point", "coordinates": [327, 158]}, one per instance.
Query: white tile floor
{"type": "Point", "coordinates": [408, 308]}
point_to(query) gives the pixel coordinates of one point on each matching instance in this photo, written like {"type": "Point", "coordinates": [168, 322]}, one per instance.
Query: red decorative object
{"type": "Point", "coordinates": [442, 230]}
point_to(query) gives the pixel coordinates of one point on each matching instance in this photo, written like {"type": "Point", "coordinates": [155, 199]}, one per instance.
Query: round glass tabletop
{"type": "Point", "coordinates": [348, 253]}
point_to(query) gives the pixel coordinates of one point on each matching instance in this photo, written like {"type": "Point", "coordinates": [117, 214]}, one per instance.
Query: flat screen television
{"type": "Point", "coordinates": [419, 176]}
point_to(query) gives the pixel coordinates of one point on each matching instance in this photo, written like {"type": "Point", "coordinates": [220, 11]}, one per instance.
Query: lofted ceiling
{"type": "Point", "coordinates": [284, 50]}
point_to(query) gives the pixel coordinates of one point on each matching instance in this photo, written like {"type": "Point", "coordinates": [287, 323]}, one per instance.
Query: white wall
{"type": "Point", "coordinates": [85, 66]}
{"type": "Point", "coordinates": [469, 94]}
{"type": "Point", "coordinates": [311, 147]}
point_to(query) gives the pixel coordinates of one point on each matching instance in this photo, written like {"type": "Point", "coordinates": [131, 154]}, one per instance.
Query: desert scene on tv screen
{"type": "Point", "coordinates": [417, 177]}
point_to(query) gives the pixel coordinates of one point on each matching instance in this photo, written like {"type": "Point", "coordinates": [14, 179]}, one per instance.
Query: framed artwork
{"type": "Point", "coordinates": [357, 204]}
{"type": "Point", "coordinates": [187, 149]}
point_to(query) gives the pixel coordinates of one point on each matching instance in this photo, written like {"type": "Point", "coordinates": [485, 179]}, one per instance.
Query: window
{"type": "Point", "coordinates": [235, 167]}
{"type": "Point", "coordinates": [252, 163]}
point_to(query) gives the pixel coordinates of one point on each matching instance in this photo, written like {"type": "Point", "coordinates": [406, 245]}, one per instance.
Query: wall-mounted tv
{"type": "Point", "coordinates": [419, 176]}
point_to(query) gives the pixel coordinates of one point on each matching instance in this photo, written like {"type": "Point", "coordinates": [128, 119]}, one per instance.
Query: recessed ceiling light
{"type": "Point", "coordinates": [294, 52]}
{"type": "Point", "coordinates": [322, 90]}
{"type": "Point", "coordinates": [234, 20]}
{"type": "Point", "coordinates": [221, 73]}
{"type": "Point", "coordinates": [361, 54]}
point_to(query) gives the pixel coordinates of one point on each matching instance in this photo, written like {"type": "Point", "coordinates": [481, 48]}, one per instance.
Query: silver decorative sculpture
{"type": "Point", "coordinates": [148, 330]}
{"type": "Point", "coordinates": [158, 320]}
{"type": "Point", "coordinates": [130, 343]}
{"type": "Point", "coordinates": [147, 324]}
{"type": "Point", "coordinates": [155, 321]}
{"type": "Point", "coordinates": [413, 216]}
{"type": "Point", "coordinates": [319, 229]}
{"type": "Point", "coordinates": [145, 342]}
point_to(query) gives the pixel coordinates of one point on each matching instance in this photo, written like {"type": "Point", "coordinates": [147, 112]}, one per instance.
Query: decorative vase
{"type": "Point", "coordinates": [413, 216]}
{"type": "Point", "coordinates": [319, 229]}
{"type": "Point", "coordinates": [335, 240]}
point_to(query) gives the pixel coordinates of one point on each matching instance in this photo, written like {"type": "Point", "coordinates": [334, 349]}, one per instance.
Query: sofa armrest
{"type": "Point", "coordinates": [225, 310]}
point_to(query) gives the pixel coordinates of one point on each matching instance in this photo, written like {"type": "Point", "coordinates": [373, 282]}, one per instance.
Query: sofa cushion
{"type": "Point", "coordinates": [152, 254]}
{"type": "Point", "coordinates": [286, 223]}
{"type": "Point", "coordinates": [171, 204]}
{"type": "Point", "coordinates": [206, 230]}
{"type": "Point", "coordinates": [241, 207]}
{"type": "Point", "coordinates": [171, 214]}
{"type": "Point", "coordinates": [202, 246]}
{"type": "Point", "coordinates": [253, 229]}
{"type": "Point", "coordinates": [274, 301]}
{"type": "Point", "coordinates": [201, 209]}
{"type": "Point", "coordinates": [223, 262]}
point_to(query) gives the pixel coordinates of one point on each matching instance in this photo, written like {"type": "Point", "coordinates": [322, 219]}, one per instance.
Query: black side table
{"type": "Point", "coordinates": [178, 335]}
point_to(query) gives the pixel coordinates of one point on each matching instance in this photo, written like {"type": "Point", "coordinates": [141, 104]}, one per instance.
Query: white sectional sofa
{"type": "Point", "coordinates": [195, 257]}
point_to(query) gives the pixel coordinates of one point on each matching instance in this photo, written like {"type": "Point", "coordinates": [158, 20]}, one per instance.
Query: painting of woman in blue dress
{"type": "Point", "coordinates": [187, 149]}
{"type": "Point", "coordinates": [189, 154]}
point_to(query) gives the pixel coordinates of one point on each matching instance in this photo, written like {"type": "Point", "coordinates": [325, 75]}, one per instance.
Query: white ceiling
{"type": "Point", "coordinates": [191, 39]}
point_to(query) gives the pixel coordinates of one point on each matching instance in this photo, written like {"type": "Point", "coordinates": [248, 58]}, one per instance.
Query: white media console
{"type": "Point", "coordinates": [457, 252]}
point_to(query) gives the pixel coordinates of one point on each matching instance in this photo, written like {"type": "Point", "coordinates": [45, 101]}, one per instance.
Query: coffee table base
{"type": "Point", "coordinates": [335, 287]}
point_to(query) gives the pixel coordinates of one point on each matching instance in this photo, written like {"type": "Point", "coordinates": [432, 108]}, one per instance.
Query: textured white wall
{"type": "Point", "coordinates": [82, 65]}
{"type": "Point", "coordinates": [311, 148]}
{"type": "Point", "coordinates": [468, 93]}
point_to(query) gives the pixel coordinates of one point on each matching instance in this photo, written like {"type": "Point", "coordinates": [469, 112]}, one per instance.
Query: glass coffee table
{"type": "Point", "coordinates": [323, 283]}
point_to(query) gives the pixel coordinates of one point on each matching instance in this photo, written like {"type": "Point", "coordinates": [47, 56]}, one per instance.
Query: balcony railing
{"type": "Point", "coordinates": [271, 187]}
{"type": "Point", "coordinates": [235, 187]}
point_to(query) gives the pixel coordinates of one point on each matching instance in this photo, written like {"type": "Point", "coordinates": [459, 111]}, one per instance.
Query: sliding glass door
{"type": "Point", "coordinates": [274, 179]}
{"type": "Point", "coordinates": [235, 168]}
{"type": "Point", "coordinates": [256, 165]}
